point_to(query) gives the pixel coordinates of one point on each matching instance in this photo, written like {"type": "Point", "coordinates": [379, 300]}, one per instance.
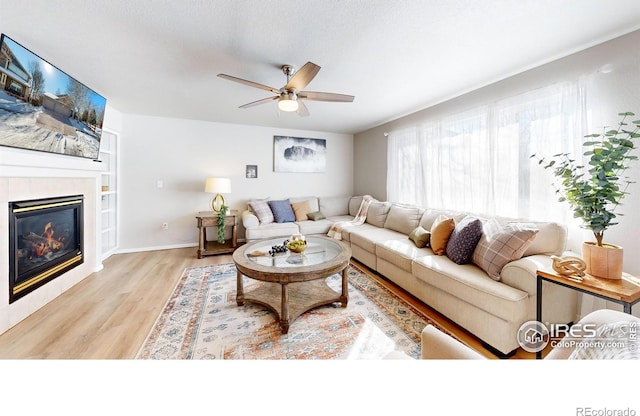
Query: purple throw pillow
{"type": "Point", "coordinates": [464, 239]}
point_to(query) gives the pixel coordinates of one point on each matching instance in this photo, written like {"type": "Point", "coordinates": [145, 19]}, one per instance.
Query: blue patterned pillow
{"type": "Point", "coordinates": [282, 211]}
{"type": "Point", "coordinates": [464, 239]}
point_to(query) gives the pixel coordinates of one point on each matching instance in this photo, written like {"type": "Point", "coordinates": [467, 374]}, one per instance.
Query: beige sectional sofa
{"type": "Point", "coordinates": [491, 309]}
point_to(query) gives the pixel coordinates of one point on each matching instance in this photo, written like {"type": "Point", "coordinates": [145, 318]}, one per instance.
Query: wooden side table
{"type": "Point", "coordinates": [625, 291]}
{"type": "Point", "coordinates": [210, 219]}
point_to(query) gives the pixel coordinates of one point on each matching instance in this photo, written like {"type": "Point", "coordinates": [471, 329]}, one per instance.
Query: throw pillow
{"type": "Point", "coordinates": [262, 210]}
{"type": "Point", "coordinates": [282, 211]}
{"type": "Point", "coordinates": [501, 244]}
{"type": "Point", "coordinates": [316, 216]}
{"type": "Point", "coordinates": [440, 232]}
{"type": "Point", "coordinates": [420, 237]}
{"type": "Point", "coordinates": [464, 239]}
{"type": "Point", "coordinates": [300, 210]}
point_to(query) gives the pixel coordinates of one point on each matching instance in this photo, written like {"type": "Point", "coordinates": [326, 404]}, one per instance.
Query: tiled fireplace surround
{"type": "Point", "coordinates": [23, 178]}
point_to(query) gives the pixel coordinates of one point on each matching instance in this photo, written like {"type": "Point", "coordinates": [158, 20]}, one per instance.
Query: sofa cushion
{"type": "Point", "coordinates": [346, 232]}
{"type": "Point", "coordinates": [598, 319]}
{"type": "Point", "coordinates": [612, 341]}
{"type": "Point", "coordinates": [440, 232]}
{"type": "Point", "coordinates": [400, 253]}
{"type": "Point", "coordinates": [403, 218]}
{"type": "Point", "coordinates": [367, 236]}
{"type": "Point", "coordinates": [314, 227]}
{"type": "Point", "coordinates": [354, 205]}
{"type": "Point", "coordinates": [272, 230]}
{"type": "Point", "coordinates": [261, 208]}
{"type": "Point", "coordinates": [316, 216]}
{"type": "Point", "coordinates": [463, 240]}
{"type": "Point", "coordinates": [420, 237]}
{"type": "Point", "coordinates": [335, 205]}
{"type": "Point", "coordinates": [501, 244]}
{"type": "Point", "coordinates": [301, 209]}
{"type": "Point", "coordinates": [551, 239]}
{"type": "Point", "coordinates": [431, 215]}
{"type": "Point", "coordinates": [377, 213]}
{"type": "Point", "coordinates": [282, 211]}
{"type": "Point", "coordinates": [312, 200]}
{"type": "Point", "coordinates": [472, 285]}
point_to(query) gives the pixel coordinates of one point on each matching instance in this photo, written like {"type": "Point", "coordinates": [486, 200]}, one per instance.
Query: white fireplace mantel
{"type": "Point", "coordinates": [26, 175]}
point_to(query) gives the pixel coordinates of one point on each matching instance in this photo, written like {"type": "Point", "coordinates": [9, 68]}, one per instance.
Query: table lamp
{"type": "Point", "coordinates": [217, 186]}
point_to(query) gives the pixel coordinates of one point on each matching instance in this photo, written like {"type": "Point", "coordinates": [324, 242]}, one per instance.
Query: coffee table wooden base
{"type": "Point", "coordinates": [290, 300]}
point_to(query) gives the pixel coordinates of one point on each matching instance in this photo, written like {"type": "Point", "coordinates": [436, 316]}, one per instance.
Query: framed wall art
{"type": "Point", "coordinates": [299, 154]}
{"type": "Point", "coordinates": [251, 171]}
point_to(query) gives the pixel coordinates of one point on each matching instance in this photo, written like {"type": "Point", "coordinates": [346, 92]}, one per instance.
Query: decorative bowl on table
{"type": "Point", "coordinates": [297, 246]}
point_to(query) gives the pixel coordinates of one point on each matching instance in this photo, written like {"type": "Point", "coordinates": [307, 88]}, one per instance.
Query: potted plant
{"type": "Point", "coordinates": [595, 190]}
{"type": "Point", "coordinates": [221, 222]}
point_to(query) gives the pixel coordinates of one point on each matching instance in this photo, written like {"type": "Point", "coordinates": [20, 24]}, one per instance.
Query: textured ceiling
{"type": "Point", "coordinates": [161, 58]}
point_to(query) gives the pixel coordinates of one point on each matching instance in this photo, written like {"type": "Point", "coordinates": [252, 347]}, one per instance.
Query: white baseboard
{"type": "Point", "coordinates": [155, 248]}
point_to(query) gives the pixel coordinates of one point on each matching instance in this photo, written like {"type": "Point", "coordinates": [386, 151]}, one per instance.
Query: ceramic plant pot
{"type": "Point", "coordinates": [604, 262]}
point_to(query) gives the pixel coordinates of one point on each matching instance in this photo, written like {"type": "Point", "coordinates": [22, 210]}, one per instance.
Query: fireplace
{"type": "Point", "coordinates": [45, 241]}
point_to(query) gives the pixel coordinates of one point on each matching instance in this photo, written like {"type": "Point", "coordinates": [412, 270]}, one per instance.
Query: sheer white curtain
{"type": "Point", "coordinates": [479, 160]}
{"type": "Point", "coordinates": [404, 158]}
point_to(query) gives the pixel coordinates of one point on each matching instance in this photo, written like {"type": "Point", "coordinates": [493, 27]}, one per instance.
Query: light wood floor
{"type": "Point", "coordinates": [109, 314]}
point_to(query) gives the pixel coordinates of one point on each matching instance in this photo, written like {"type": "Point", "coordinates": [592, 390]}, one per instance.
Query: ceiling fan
{"type": "Point", "coordinates": [291, 95]}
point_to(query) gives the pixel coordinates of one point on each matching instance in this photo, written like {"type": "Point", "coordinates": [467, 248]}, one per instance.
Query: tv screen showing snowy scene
{"type": "Point", "coordinates": [42, 108]}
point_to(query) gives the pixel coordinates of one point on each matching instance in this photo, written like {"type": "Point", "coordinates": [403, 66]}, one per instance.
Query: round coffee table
{"type": "Point", "coordinates": [294, 283]}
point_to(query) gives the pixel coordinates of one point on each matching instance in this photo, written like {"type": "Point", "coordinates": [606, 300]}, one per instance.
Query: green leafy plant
{"type": "Point", "coordinates": [594, 191]}
{"type": "Point", "coordinates": [221, 221]}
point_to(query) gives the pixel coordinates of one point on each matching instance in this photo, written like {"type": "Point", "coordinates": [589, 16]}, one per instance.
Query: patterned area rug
{"type": "Point", "coordinates": [201, 320]}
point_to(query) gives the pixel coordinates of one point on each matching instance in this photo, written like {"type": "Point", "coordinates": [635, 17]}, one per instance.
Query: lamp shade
{"type": "Point", "coordinates": [217, 186]}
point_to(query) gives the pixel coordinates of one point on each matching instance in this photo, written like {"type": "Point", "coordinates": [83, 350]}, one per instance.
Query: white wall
{"type": "Point", "coordinates": [608, 95]}
{"type": "Point", "coordinates": [183, 153]}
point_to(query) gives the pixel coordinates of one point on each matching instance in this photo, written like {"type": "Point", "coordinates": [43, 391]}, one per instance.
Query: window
{"type": "Point", "coordinates": [479, 160]}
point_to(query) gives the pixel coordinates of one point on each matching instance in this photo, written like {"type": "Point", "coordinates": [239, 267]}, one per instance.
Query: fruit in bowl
{"type": "Point", "coordinates": [297, 246]}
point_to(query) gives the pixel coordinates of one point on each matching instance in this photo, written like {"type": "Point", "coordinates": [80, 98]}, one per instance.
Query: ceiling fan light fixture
{"type": "Point", "coordinates": [288, 102]}
{"type": "Point", "coordinates": [287, 96]}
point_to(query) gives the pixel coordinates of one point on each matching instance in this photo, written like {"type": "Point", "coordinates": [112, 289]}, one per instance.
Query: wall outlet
{"type": "Point", "coordinates": [165, 225]}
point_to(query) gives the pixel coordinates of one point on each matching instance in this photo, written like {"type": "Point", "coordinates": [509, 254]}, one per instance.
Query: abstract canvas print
{"type": "Point", "coordinates": [299, 154]}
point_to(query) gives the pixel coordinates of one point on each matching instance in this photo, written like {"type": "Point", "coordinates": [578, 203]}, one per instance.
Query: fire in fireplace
{"type": "Point", "coordinates": [45, 241]}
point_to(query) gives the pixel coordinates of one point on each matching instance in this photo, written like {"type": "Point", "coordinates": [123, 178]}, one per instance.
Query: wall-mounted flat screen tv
{"type": "Point", "coordinates": [43, 108]}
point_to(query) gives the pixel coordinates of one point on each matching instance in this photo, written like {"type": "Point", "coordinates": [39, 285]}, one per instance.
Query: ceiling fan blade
{"type": "Point", "coordinates": [249, 83]}
{"type": "Point", "coordinates": [326, 96]}
{"type": "Point", "coordinates": [303, 111]}
{"type": "Point", "coordinates": [264, 100]}
{"type": "Point", "coordinates": [303, 76]}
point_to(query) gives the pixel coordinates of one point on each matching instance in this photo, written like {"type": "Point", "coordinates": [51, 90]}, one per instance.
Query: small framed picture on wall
{"type": "Point", "coordinates": [252, 171]}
